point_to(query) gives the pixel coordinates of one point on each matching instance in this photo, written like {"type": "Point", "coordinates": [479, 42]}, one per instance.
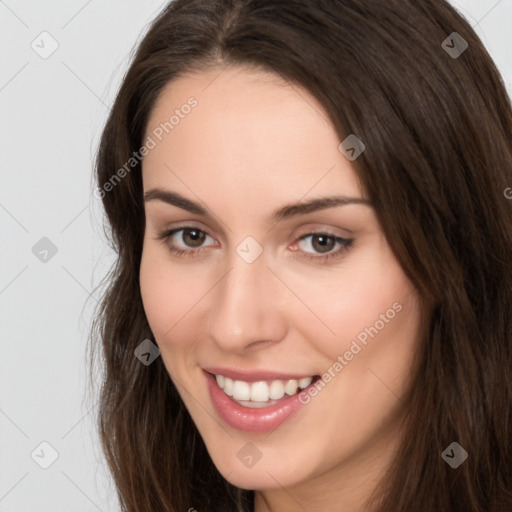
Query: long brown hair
{"type": "Point", "coordinates": [437, 129]}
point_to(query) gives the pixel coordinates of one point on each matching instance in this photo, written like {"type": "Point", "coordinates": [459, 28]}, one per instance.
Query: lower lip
{"type": "Point", "coordinates": [263, 419]}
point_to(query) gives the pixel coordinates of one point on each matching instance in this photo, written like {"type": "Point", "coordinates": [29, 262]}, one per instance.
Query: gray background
{"type": "Point", "coordinates": [51, 113]}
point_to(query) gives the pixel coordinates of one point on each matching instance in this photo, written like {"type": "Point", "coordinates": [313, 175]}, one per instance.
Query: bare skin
{"type": "Point", "coordinates": [252, 145]}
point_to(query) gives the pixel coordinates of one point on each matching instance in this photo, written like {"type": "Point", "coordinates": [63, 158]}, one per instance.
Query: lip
{"type": "Point", "coordinates": [247, 419]}
{"type": "Point", "coordinates": [252, 376]}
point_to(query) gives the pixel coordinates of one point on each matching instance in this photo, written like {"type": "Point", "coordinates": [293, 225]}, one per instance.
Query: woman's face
{"type": "Point", "coordinates": [269, 300]}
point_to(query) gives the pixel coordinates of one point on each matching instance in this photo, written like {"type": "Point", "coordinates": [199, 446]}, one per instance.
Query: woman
{"type": "Point", "coordinates": [311, 306]}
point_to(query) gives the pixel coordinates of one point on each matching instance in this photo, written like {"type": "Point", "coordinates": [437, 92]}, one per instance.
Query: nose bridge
{"type": "Point", "coordinates": [244, 308]}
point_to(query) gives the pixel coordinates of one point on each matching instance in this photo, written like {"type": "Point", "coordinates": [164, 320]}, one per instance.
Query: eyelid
{"type": "Point", "coordinates": [316, 228]}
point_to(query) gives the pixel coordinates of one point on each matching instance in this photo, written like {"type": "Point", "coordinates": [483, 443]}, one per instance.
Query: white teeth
{"type": "Point", "coordinates": [256, 405]}
{"type": "Point", "coordinates": [241, 390]}
{"type": "Point", "coordinates": [228, 386]}
{"type": "Point", "coordinates": [291, 386]}
{"type": "Point", "coordinates": [305, 382]}
{"type": "Point", "coordinates": [260, 394]}
{"type": "Point", "coordinates": [276, 390]}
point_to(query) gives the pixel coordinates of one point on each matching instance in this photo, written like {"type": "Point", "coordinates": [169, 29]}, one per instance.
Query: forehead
{"type": "Point", "coordinates": [249, 134]}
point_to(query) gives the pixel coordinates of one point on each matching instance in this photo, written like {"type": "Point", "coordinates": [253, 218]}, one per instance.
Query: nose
{"type": "Point", "coordinates": [247, 308]}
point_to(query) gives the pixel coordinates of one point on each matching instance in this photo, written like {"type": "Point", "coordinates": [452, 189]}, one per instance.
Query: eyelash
{"type": "Point", "coordinates": [346, 244]}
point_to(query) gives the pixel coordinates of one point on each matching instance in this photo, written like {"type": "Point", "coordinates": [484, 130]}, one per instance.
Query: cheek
{"type": "Point", "coordinates": [154, 292]}
{"type": "Point", "coordinates": [175, 301]}
{"type": "Point", "coordinates": [167, 294]}
{"type": "Point", "coordinates": [369, 298]}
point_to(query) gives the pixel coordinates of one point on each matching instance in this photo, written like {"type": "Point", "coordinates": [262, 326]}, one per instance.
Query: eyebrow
{"type": "Point", "coordinates": [286, 212]}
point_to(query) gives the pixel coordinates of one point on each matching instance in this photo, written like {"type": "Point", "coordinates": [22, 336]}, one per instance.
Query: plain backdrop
{"type": "Point", "coordinates": [52, 109]}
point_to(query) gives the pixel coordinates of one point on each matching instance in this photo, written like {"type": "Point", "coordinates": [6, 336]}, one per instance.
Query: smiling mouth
{"type": "Point", "coordinates": [262, 393]}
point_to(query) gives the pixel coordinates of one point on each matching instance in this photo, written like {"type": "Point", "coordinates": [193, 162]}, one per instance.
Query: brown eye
{"type": "Point", "coordinates": [322, 247]}
{"type": "Point", "coordinates": [186, 241]}
{"type": "Point", "coordinates": [193, 237]}
{"type": "Point", "coordinates": [323, 243]}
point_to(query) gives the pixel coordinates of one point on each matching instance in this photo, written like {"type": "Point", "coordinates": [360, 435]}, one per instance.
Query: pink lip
{"type": "Point", "coordinates": [252, 376]}
{"type": "Point", "coordinates": [264, 419]}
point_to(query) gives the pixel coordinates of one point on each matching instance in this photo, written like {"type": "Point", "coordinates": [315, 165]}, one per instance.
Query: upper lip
{"type": "Point", "coordinates": [255, 375]}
